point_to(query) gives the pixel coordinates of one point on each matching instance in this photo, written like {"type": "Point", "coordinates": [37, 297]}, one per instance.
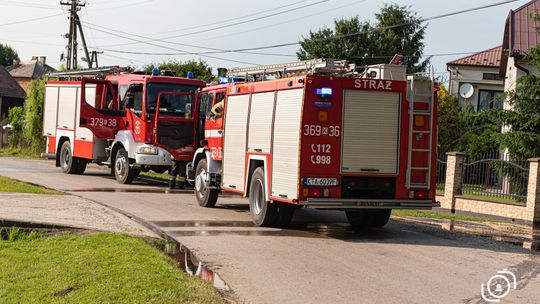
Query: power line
{"type": "Point", "coordinates": [230, 19]}
{"type": "Point", "coordinates": [228, 25]}
{"type": "Point", "coordinates": [383, 28]}
{"type": "Point", "coordinates": [165, 47]}
{"type": "Point", "coordinates": [91, 25]}
{"type": "Point", "coordinates": [32, 19]}
{"type": "Point", "coordinates": [283, 22]}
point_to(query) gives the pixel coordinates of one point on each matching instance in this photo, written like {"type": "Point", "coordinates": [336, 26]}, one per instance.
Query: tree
{"type": "Point", "coordinates": [200, 68]}
{"type": "Point", "coordinates": [523, 118]}
{"type": "Point", "coordinates": [397, 30]}
{"type": "Point", "coordinates": [466, 130]}
{"type": "Point", "coordinates": [33, 115]}
{"type": "Point", "coordinates": [7, 55]}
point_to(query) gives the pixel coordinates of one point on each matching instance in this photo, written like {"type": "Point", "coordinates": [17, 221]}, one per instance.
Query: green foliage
{"type": "Point", "coordinates": [11, 185]}
{"type": "Point", "coordinates": [33, 115]}
{"type": "Point", "coordinates": [523, 136]}
{"type": "Point", "coordinates": [95, 268]}
{"type": "Point", "coordinates": [16, 116]}
{"type": "Point", "coordinates": [7, 55]}
{"type": "Point", "coordinates": [375, 44]}
{"type": "Point", "coordinates": [465, 130]}
{"type": "Point", "coordinates": [200, 68]}
{"type": "Point", "coordinates": [16, 234]}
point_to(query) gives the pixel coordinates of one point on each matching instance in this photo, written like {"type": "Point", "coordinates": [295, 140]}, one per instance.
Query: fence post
{"type": "Point", "coordinates": [454, 174]}
{"type": "Point", "coordinates": [533, 191]}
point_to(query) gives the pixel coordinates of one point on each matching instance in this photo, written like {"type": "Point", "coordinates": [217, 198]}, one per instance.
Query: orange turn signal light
{"type": "Point", "coordinates": [419, 121]}
{"type": "Point", "coordinates": [322, 116]}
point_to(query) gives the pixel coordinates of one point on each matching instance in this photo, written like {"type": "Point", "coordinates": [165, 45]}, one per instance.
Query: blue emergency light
{"type": "Point", "coordinates": [324, 92]}
{"type": "Point", "coordinates": [223, 80]}
{"type": "Point", "coordinates": [190, 75]}
{"type": "Point", "coordinates": [155, 72]}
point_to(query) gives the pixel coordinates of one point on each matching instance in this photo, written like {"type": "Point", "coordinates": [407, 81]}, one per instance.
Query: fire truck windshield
{"type": "Point", "coordinates": [170, 104]}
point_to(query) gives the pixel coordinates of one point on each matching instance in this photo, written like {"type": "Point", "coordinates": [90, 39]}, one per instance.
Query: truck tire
{"type": "Point", "coordinates": [263, 213]}
{"type": "Point", "coordinates": [81, 166]}
{"type": "Point", "coordinates": [205, 197]}
{"type": "Point", "coordinates": [285, 214]}
{"type": "Point", "coordinates": [368, 218]}
{"type": "Point", "coordinates": [70, 164]}
{"type": "Point", "coordinates": [123, 173]}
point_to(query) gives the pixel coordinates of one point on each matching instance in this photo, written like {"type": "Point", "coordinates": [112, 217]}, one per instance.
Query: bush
{"type": "Point", "coordinates": [16, 117]}
{"type": "Point", "coordinates": [33, 115]}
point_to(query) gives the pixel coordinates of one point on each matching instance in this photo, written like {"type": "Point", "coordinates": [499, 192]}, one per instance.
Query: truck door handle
{"type": "Point", "coordinates": [82, 121]}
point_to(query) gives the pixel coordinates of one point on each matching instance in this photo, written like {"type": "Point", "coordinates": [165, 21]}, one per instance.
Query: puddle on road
{"type": "Point", "coordinates": [190, 264]}
{"type": "Point", "coordinates": [305, 230]}
{"type": "Point", "coordinates": [134, 190]}
{"type": "Point", "coordinates": [525, 236]}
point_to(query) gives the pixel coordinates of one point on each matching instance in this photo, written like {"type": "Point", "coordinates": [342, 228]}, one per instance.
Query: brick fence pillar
{"type": "Point", "coordinates": [533, 191]}
{"type": "Point", "coordinates": [454, 175]}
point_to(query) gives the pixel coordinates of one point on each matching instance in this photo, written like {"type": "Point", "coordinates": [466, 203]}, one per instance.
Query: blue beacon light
{"type": "Point", "coordinates": [324, 92]}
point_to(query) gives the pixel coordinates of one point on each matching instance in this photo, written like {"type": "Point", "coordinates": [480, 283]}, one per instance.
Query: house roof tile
{"type": "Point", "coordinates": [487, 58]}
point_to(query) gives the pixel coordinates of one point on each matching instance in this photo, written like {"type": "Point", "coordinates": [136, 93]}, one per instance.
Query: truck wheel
{"type": "Point", "coordinates": [69, 164]}
{"type": "Point", "coordinates": [123, 173]}
{"type": "Point", "coordinates": [285, 214]}
{"type": "Point", "coordinates": [263, 213]}
{"type": "Point", "coordinates": [380, 218]}
{"type": "Point", "coordinates": [368, 218]}
{"type": "Point", "coordinates": [206, 197]}
{"type": "Point", "coordinates": [81, 166]}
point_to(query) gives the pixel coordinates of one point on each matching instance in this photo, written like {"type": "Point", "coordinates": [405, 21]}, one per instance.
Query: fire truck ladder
{"type": "Point", "coordinates": [88, 73]}
{"type": "Point", "coordinates": [421, 103]}
{"type": "Point", "coordinates": [298, 68]}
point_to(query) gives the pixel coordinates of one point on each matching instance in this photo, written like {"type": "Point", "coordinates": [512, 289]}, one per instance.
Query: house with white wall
{"type": "Point", "coordinates": [476, 80]}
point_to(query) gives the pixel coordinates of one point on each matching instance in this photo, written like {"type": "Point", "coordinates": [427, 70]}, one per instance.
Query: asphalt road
{"type": "Point", "coordinates": [318, 260]}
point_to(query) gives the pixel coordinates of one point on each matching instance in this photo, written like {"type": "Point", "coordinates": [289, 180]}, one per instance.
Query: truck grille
{"type": "Point", "coordinates": [368, 187]}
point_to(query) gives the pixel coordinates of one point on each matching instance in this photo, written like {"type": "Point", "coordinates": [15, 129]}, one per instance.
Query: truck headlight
{"type": "Point", "coordinates": [147, 150]}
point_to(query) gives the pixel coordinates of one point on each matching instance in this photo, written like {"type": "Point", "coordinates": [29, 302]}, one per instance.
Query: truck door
{"type": "Point", "coordinates": [132, 106]}
{"type": "Point", "coordinates": [175, 123]}
{"type": "Point", "coordinates": [100, 110]}
{"type": "Point", "coordinates": [214, 123]}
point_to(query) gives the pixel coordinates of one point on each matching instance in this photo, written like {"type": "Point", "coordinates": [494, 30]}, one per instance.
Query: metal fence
{"type": "Point", "coordinates": [497, 176]}
{"type": "Point", "coordinates": [441, 176]}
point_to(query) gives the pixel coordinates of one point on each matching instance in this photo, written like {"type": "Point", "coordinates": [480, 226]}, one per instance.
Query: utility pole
{"type": "Point", "coordinates": [74, 25]}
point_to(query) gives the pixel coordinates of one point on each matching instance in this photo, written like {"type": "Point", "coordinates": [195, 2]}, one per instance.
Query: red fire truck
{"type": "Point", "coordinates": [319, 136]}
{"type": "Point", "coordinates": [129, 122]}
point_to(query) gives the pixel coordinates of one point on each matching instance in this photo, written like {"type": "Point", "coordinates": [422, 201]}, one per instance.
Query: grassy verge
{"type": "Point", "coordinates": [159, 176]}
{"type": "Point", "coordinates": [19, 152]}
{"type": "Point", "coordinates": [438, 215]}
{"type": "Point", "coordinates": [11, 185]}
{"type": "Point", "coordinates": [95, 268]}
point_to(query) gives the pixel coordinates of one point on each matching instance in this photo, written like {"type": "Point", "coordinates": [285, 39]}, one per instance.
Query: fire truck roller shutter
{"type": "Point", "coordinates": [67, 104]}
{"type": "Point", "coordinates": [234, 146]}
{"type": "Point", "coordinates": [260, 122]}
{"type": "Point", "coordinates": [49, 110]}
{"type": "Point", "coordinates": [285, 158]}
{"type": "Point", "coordinates": [370, 139]}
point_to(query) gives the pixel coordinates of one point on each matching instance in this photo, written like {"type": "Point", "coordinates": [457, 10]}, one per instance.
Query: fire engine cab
{"type": "Point", "coordinates": [130, 122]}
{"type": "Point", "coordinates": [316, 134]}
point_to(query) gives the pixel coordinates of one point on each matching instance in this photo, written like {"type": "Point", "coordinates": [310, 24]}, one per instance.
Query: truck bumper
{"type": "Point", "coordinates": [340, 204]}
{"type": "Point", "coordinates": [163, 158]}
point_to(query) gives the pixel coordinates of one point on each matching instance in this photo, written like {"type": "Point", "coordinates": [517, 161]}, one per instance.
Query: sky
{"type": "Point", "coordinates": [210, 24]}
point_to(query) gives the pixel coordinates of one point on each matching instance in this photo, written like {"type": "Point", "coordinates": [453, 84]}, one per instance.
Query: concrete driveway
{"type": "Point", "coordinates": [319, 259]}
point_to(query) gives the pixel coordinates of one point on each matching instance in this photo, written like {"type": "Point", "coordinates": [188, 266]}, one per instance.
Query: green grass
{"type": "Point", "coordinates": [438, 215]}
{"type": "Point", "coordinates": [19, 152]}
{"type": "Point", "coordinates": [11, 185]}
{"type": "Point", "coordinates": [160, 176]}
{"type": "Point", "coordinates": [95, 268]}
